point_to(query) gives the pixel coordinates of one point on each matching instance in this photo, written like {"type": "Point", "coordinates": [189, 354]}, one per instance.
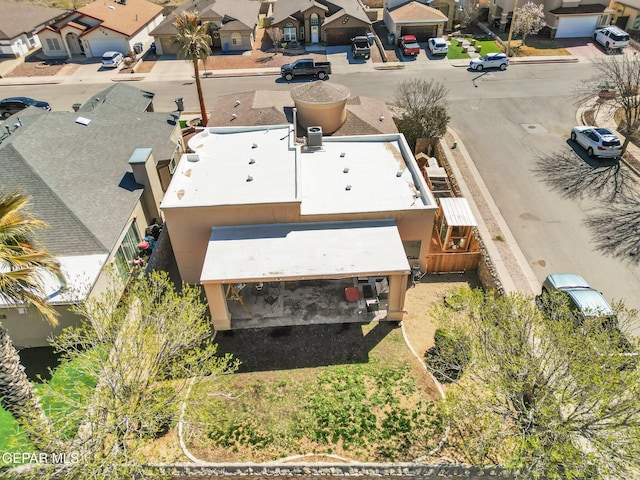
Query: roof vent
{"type": "Point", "coordinates": [399, 173]}
{"type": "Point", "coordinates": [314, 137]}
{"type": "Point", "coordinates": [346, 170]}
{"type": "Point", "coordinates": [347, 188]}
{"type": "Point", "coordinates": [233, 116]}
{"type": "Point", "coordinates": [83, 121]}
{"type": "Point", "coordinates": [342, 154]}
{"type": "Point", "coordinates": [237, 103]}
{"type": "Point", "coordinates": [255, 145]}
{"type": "Point", "coordinates": [249, 178]}
{"type": "Point", "coordinates": [252, 161]}
{"type": "Point", "coordinates": [193, 158]}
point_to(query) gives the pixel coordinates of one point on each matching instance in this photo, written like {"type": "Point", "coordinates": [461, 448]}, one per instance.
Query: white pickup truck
{"type": "Point", "coordinates": [611, 37]}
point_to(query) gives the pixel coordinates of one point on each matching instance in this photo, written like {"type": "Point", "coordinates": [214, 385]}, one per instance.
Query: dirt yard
{"type": "Point", "coordinates": [39, 68]}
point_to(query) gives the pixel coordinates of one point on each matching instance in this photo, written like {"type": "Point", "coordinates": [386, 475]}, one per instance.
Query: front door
{"type": "Point", "coordinates": [314, 34]}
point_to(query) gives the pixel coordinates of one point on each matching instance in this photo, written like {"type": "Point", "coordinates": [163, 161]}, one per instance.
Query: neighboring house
{"type": "Point", "coordinates": [277, 231]}
{"type": "Point", "coordinates": [96, 178]}
{"type": "Point", "coordinates": [363, 115]}
{"type": "Point", "coordinates": [417, 18]}
{"type": "Point", "coordinates": [232, 24]}
{"type": "Point", "coordinates": [101, 26]}
{"type": "Point", "coordinates": [329, 22]}
{"type": "Point", "coordinates": [627, 15]}
{"type": "Point", "coordinates": [19, 23]}
{"type": "Point", "coordinates": [565, 19]}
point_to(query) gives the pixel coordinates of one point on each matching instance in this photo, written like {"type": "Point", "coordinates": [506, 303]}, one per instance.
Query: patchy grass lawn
{"type": "Point", "coordinates": [487, 45]}
{"type": "Point", "coordinates": [537, 47]}
{"type": "Point", "coordinates": [380, 410]}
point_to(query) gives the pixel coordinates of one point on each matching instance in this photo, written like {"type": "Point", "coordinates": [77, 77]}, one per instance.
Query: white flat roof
{"type": "Point", "coordinates": [303, 251]}
{"type": "Point", "coordinates": [235, 166]}
{"type": "Point", "coordinates": [253, 165]}
{"type": "Point", "coordinates": [360, 174]}
{"type": "Point", "coordinates": [457, 212]}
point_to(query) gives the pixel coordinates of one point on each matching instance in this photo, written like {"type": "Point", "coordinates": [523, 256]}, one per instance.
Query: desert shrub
{"type": "Point", "coordinates": [449, 356]}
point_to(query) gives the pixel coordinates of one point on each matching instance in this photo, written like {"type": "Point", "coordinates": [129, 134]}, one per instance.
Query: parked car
{"type": "Point", "coordinates": [597, 141]}
{"type": "Point", "coordinates": [305, 67]}
{"type": "Point", "coordinates": [490, 60]}
{"type": "Point", "coordinates": [360, 47]}
{"type": "Point", "coordinates": [438, 46]}
{"type": "Point", "coordinates": [112, 59]}
{"type": "Point", "coordinates": [12, 105]}
{"type": "Point", "coordinates": [587, 303]}
{"type": "Point", "coordinates": [611, 37]}
{"type": "Point", "coordinates": [409, 46]}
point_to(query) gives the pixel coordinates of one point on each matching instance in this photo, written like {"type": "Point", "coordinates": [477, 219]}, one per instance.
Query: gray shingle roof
{"type": "Point", "coordinates": [86, 167]}
{"type": "Point", "coordinates": [282, 9]}
{"type": "Point", "coordinates": [17, 18]}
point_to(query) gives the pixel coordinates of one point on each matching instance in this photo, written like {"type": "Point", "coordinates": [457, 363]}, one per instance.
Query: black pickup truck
{"type": "Point", "coordinates": [305, 67]}
{"type": "Point", "coordinates": [360, 47]}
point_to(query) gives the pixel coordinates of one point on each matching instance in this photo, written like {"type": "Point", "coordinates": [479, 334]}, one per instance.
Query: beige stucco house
{"type": "Point", "coordinates": [404, 17]}
{"type": "Point", "coordinates": [101, 26]}
{"type": "Point", "coordinates": [627, 14]}
{"type": "Point", "coordinates": [97, 195]}
{"type": "Point", "coordinates": [274, 229]}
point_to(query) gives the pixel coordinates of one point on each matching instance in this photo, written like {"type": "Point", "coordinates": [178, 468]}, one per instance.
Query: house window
{"type": "Point", "coordinates": [314, 20]}
{"type": "Point", "coordinates": [604, 21]}
{"type": "Point", "coordinates": [53, 44]}
{"type": "Point", "coordinates": [289, 32]}
{"type": "Point", "coordinates": [302, 32]}
{"type": "Point", "coordinates": [127, 251]}
{"type": "Point", "coordinates": [636, 23]}
{"type": "Point", "coordinates": [236, 38]}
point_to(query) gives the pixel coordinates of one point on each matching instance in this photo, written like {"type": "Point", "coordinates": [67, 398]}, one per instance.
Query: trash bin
{"type": "Point", "coordinates": [391, 38]}
{"type": "Point", "coordinates": [180, 104]}
{"type": "Point", "coordinates": [371, 37]}
{"type": "Point", "coordinates": [137, 47]}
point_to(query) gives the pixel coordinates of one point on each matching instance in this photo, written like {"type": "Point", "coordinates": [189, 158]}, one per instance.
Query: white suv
{"type": "Point", "coordinates": [611, 37]}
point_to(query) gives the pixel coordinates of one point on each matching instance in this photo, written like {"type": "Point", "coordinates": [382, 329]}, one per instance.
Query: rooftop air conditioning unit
{"type": "Point", "coordinates": [314, 137]}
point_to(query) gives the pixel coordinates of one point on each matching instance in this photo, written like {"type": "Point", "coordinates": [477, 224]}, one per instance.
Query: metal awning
{"type": "Point", "coordinates": [303, 251]}
{"type": "Point", "coordinates": [457, 212]}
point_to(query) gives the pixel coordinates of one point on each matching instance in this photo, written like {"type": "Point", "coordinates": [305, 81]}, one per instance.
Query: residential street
{"type": "Point", "coordinates": [507, 121]}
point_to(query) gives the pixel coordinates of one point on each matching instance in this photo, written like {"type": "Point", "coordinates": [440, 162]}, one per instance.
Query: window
{"type": "Point", "coordinates": [289, 32]}
{"type": "Point", "coordinates": [636, 23]}
{"type": "Point", "coordinates": [236, 38]}
{"type": "Point", "coordinates": [302, 32]}
{"type": "Point", "coordinates": [127, 251]}
{"type": "Point", "coordinates": [53, 44]}
{"type": "Point", "coordinates": [314, 20]}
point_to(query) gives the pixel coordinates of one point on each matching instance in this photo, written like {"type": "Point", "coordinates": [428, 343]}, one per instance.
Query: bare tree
{"type": "Point", "coordinates": [619, 78]}
{"type": "Point", "coordinates": [276, 36]}
{"type": "Point", "coordinates": [539, 394]}
{"type": "Point", "coordinates": [467, 12]}
{"type": "Point", "coordinates": [529, 20]}
{"type": "Point", "coordinates": [424, 109]}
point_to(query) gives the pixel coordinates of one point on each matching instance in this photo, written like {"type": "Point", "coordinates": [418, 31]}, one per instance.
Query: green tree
{"type": "Point", "coordinates": [541, 394]}
{"type": "Point", "coordinates": [193, 42]}
{"type": "Point", "coordinates": [423, 105]}
{"type": "Point", "coordinates": [142, 347]}
{"type": "Point", "coordinates": [24, 266]}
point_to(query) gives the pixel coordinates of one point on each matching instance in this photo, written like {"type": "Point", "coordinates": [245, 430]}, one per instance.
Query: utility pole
{"type": "Point", "coordinates": [513, 22]}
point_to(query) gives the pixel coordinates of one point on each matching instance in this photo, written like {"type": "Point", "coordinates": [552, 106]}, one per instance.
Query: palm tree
{"type": "Point", "coordinates": [22, 267]}
{"type": "Point", "coordinates": [192, 41]}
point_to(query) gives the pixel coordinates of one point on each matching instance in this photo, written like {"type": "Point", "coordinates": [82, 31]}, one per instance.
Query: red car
{"type": "Point", "coordinates": [409, 46]}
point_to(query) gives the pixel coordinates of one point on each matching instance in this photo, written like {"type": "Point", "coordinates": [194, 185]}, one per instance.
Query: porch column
{"type": "Point", "coordinates": [220, 318]}
{"type": "Point", "coordinates": [397, 291]}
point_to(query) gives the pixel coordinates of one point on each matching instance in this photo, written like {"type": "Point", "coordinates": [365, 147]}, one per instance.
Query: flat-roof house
{"type": "Point", "coordinates": [101, 26]}
{"type": "Point", "coordinates": [280, 231]}
{"type": "Point", "coordinates": [95, 177]}
{"type": "Point", "coordinates": [19, 23]}
{"type": "Point", "coordinates": [232, 24]}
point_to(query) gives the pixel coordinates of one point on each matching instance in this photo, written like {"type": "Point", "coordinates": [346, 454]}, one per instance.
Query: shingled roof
{"type": "Point", "coordinates": [284, 8]}
{"type": "Point", "coordinates": [78, 175]}
{"type": "Point", "coordinates": [18, 18]}
{"type": "Point", "coordinates": [127, 18]}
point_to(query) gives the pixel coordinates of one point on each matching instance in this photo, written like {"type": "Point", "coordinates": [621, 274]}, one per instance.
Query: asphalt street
{"type": "Point", "coordinates": [513, 123]}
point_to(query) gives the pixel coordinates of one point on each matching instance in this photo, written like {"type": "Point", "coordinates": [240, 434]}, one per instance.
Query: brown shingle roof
{"type": "Point", "coordinates": [17, 18]}
{"type": "Point", "coordinates": [125, 19]}
{"type": "Point", "coordinates": [416, 11]}
{"type": "Point", "coordinates": [320, 92]}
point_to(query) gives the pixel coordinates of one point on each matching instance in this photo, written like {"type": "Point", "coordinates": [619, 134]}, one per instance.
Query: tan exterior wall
{"type": "Point", "coordinates": [246, 39]}
{"type": "Point", "coordinates": [29, 329]}
{"type": "Point", "coordinates": [328, 116]}
{"type": "Point", "coordinates": [220, 318]}
{"type": "Point", "coordinates": [397, 291]}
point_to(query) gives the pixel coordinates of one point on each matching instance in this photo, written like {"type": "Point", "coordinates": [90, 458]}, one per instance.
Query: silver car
{"type": "Point", "coordinates": [490, 60]}
{"type": "Point", "coordinates": [112, 59]}
{"type": "Point", "coordinates": [597, 141]}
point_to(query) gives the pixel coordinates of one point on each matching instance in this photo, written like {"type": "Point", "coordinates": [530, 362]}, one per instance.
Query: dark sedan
{"type": "Point", "coordinates": [10, 106]}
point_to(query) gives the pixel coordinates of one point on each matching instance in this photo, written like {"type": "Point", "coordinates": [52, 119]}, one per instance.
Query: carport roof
{"type": "Point", "coordinates": [304, 251]}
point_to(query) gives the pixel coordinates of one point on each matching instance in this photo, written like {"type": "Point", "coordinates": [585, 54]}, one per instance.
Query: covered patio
{"type": "Point", "coordinates": [308, 273]}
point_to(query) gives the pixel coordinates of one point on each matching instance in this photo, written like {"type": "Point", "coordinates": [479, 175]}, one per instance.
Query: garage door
{"type": "Point", "coordinates": [421, 32]}
{"type": "Point", "coordinates": [575, 27]}
{"type": "Point", "coordinates": [98, 47]}
{"type": "Point", "coordinates": [343, 36]}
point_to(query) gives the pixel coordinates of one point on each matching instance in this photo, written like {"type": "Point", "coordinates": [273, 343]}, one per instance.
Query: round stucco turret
{"type": "Point", "coordinates": [321, 104]}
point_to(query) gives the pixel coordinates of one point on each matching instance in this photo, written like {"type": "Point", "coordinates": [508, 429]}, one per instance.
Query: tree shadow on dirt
{"type": "Point", "coordinates": [573, 176]}
{"type": "Point", "coordinates": [304, 346]}
{"type": "Point", "coordinates": [615, 230]}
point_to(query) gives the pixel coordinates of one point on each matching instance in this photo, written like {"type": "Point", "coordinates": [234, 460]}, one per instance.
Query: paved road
{"type": "Point", "coordinates": [507, 120]}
